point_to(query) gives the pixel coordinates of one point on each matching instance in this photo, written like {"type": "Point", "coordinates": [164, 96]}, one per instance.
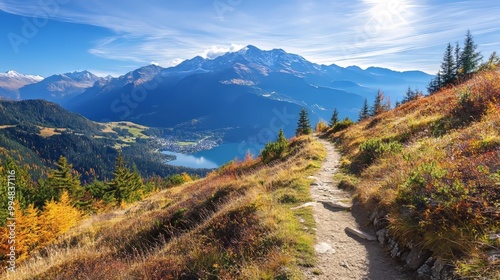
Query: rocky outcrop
{"type": "Point", "coordinates": [422, 261]}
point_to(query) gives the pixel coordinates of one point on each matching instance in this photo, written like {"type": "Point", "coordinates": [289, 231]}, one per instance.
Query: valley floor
{"type": "Point", "coordinates": [341, 254]}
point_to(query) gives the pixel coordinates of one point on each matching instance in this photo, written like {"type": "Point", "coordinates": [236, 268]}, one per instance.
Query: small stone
{"type": "Point", "coordinates": [381, 235]}
{"type": "Point", "coordinates": [303, 205]}
{"type": "Point", "coordinates": [337, 205]}
{"type": "Point", "coordinates": [494, 256]}
{"type": "Point", "coordinates": [324, 248]}
{"type": "Point", "coordinates": [380, 222]}
{"type": "Point", "coordinates": [494, 236]}
{"type": "Point", "coordinates": [345, 264]}
{"type": "Point", "coordinates": [425, 269]}
{"type": "Point", "coordinates": [360, 234]}
{"type": "Point", "coordinates": [441, 270]}
{"type": "Point", "coordinates": [395, 250]}
{"type": "Point", "coordinates": [417, 257]}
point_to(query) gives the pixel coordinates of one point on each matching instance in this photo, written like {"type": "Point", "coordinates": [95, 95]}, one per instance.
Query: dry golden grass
{"type": "Point", "coordinates": [6, 126]}
{"type": "Point", "coordinates": [234, 224]}
{"type": "Point", "coordinates": [50, 131]}
{"type": "Point", "coordinates": [440, 156]}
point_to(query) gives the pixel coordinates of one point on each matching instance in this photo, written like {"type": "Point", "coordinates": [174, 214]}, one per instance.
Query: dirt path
{"type": "Point", "coordinates": [342, 254]}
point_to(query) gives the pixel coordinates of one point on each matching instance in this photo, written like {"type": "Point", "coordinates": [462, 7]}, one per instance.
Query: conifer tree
{"type": "Point", "coordinates": [380, 105]}
{"type": "Point", "coordinates": [28, 231]}
{"type": "Point", "coordinates": [57, 218]}
{"type": "Point", "coordinates": [335, 118]}
{"type": "Point", "coordinates": [64, 178]}
{"type": "Point", "coordinates": [435, 84]}
{"type": "Point", "coordinates": [275, 149]}
{"type": "Point", "coordinates": [458, 62]}
{"type": "Point", "coordinates": [126, 184]}
{"type": "Point", "coordinates": [186, 177]}
{"type": "Point", "coordinates": [281, 143]}
{"type": "Point", "coordinates": [408, 96]}
{"type": "Point", "coordinates": [448, 66]}
{"type": "Point", "coordinates": [20, 179]}
{"type": "Point", "coordinates": [411, 95]}
{"type": "Point", "coordinates": [365, 111]}
{"type": "Point", "coordinates": [303, 125]}
{"type": "Point", "coordinates": [470, 58]}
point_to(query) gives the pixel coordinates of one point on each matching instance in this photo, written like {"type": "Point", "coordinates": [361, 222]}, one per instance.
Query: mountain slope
{"type": "Point", "coordinates": [37, 133]}
{"type": "Point", "coordinates": [430, 173]}
{"type": "Point", "coordinates": [234, 224]}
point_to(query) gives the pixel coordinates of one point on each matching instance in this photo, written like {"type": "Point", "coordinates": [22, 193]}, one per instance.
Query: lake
{"type": "Point", "coordinates": [215, 157]}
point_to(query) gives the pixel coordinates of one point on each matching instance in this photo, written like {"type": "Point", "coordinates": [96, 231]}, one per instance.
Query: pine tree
{"type": "Point", "coordinates": [458, 62]}
{"type": "Point", "coordinates": [303, 125]}
{"type": "Point", "coordinates": [380, 105]}
{"type": "Point", "coordinates": [470, 58]}
{"type": "Point", "coordinates": [435, 84]}
{"type": "Point", "coordinates": [335, 118]}
{"type": "Point", "coordinates": [126, 184]}
{"type": "Point", "coordinates": [408, 96]}
{"type": "Point", "coordinates": [365, 111]}
{"type": "Point", "coordinates": [411, 95]}
{"type": "Point", "coordinates": [276, 149]}
{"type": "Point", "coordinates": [448, 66]}
{"type": "Point", "coordinates": [281, 143]}
{"type": "Point", "coordinates": [64, 178]}
{"type": "Point", "coordinates": [23, 186]}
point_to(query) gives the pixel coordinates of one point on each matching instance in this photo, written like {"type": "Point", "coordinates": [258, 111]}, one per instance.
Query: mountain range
{"type": "Point", "coordinates": [12, 81]}
{"type": "Point", "coordinates": [242, 92]}
{"type": "Point", "coordinates": [60, 88]}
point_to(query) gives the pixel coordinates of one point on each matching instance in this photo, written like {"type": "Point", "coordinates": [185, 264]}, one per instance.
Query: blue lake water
{"type": "Point", "coordinates": [215, 157]}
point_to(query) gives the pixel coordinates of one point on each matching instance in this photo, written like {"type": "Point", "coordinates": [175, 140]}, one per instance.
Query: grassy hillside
{"type": "Point", "coordinates": [434, 166]}
{"type": "Point", "coordinates": [234, 224]}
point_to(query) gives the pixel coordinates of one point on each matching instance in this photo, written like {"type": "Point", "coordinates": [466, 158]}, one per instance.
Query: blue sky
{"type": "Point", "coordinates": [46, 37]}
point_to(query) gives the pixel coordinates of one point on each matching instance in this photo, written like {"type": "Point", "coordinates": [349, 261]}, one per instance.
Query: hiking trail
{"type": "Point", "coordinates": [345, 246]}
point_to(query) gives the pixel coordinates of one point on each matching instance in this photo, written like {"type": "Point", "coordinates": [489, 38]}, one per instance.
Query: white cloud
{"type": "Point", "coordinates": [215, 51]}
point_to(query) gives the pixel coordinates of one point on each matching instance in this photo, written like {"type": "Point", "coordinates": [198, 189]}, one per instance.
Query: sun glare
{"type": "Point", "coordinates": [390, 15]}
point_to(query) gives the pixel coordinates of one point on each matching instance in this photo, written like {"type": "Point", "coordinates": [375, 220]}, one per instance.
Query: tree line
{"type": "Point", "coordinates": [459, 63]}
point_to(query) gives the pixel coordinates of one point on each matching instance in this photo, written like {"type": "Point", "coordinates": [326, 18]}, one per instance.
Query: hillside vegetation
{"type": "Point", "coordinates": [433, 165]}
{"type": "Point", "coordinates": [35, 133]}
{"type": "Point", "coordinates": [234, 224]}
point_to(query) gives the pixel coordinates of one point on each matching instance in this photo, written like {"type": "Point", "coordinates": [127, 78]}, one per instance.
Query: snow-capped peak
{"type": "Point", "coordinates": [16, 75]}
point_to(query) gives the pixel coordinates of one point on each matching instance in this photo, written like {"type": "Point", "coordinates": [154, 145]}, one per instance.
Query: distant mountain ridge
{"type": "Point", "coordinates": [12, 81]}
{"type": "Point", "coordinates": [238, 91]}
{"type": "Point", "coordinates": [277, 60]}
{"type": "Point", "coordinates": [60, 88]}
